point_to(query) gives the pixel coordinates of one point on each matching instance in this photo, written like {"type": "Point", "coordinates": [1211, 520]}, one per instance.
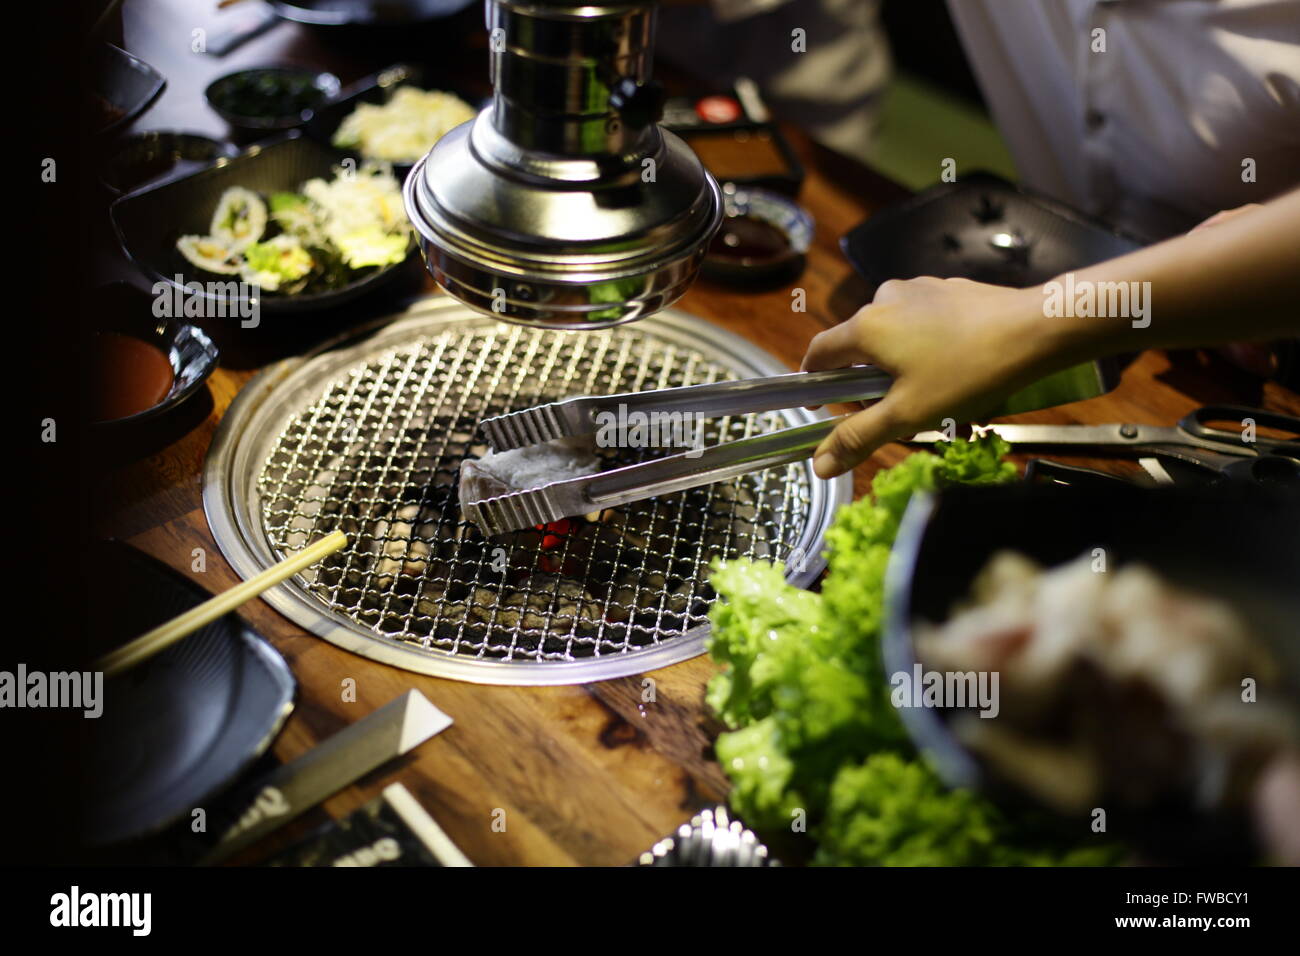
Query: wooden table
{"type": "Point", "coordinates": [585, 775]}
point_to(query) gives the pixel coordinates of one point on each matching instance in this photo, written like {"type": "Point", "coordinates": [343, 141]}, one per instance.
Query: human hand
{"type": "Point", "coordinates": [954, 347]}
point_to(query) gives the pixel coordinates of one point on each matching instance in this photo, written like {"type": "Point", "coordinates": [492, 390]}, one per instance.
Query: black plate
{"type": "Point", "coordinates": [127, 82]}
{"type": "Point", "coordinates": [981, 228]}
{"type": "Point", "coordinates": [178, 728]}
{"type": "Point", "coordinates": [193, 356]}
{"type": "Point", "coordinates": [149, 221]}
{"type": "Point", "coordinates": [375, 90]}
{"type": "Point", "coordinates": [1237, 543]}
{"type": "Point", "coordinates": [143, 158]}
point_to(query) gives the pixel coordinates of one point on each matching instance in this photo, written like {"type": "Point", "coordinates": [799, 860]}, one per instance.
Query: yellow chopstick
{"type": "Point", "coordinates": [162, 637]}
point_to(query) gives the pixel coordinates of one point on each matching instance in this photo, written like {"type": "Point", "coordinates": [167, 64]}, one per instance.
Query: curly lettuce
{"type": "Point", "coordinates": [814, 735]}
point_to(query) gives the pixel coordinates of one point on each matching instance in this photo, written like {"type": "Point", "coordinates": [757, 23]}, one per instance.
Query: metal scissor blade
{"type": "Point", "coordinates": [1157, 439]}
{"type": "Point", "coordinates": [1157, 471]}
{"type": "Point", "coordinates": [1055, 434]}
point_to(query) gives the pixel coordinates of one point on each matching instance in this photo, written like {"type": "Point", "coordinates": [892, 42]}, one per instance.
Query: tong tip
{"type": "Point", "coordinates": [514, 511]}
{"type": "Point", "coordinates": [528, 426]}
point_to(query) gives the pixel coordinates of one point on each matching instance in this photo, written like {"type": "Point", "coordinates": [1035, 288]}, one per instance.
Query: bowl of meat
{"type": "Point", "coordinates": [1127, 659]}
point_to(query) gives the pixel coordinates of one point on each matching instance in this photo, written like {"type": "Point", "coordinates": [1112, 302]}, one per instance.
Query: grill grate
{"type": "Point", "coordinates": [368, 436]}
{"type": "Point", "coordinates": [378, 452]}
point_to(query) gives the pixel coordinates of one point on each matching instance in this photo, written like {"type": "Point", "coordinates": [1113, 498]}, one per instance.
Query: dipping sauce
{"type": "Point", "coordinates": [748, 240]}
{"type": "Point", "coordinates": [128, 375]}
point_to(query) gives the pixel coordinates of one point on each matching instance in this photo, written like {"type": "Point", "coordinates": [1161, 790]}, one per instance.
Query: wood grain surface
{"type": "Point", "coordinates": [585, 775]}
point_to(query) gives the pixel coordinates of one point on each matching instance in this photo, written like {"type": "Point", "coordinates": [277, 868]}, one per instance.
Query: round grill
{"type": "Point", "coordinates": [368, 437]}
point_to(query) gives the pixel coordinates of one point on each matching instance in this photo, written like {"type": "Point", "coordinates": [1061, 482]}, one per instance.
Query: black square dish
{"type": "Point", "coordinates": [125, 86]}
{"type": "Point", "coordinates": [981, 228]}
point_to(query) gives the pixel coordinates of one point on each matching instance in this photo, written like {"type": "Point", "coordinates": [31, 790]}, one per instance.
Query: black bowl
{"type": "Point", "coordinates": [125, 310]}
{"type": "Point", "coordinates": [375, 90]}
{"type": "Point", "coordinates": [126, 83]}
{"type": "Point", "coordinates": [315, 89]}
{"type": "Point", "coordinates": [149, 221]}
{"type": "Point", "coordinates": [1235, 542]}
{"type": "Point", "coordinates": [144, 158]}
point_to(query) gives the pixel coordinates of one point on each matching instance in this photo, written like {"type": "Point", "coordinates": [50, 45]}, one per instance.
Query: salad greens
{"type": "Point", "coordinates": [322, 238]}
{"type": "Point", "coordinates": [815, 737]}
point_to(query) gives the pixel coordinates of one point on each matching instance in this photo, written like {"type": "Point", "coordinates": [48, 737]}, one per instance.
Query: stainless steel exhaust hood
{"type": "Point", "coordinates": [563, 204]}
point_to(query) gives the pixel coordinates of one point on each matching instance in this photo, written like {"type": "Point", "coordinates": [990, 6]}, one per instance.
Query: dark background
{"type": "Point", "coordinates": [925, 44]}
{"type": "Point", "coordinates": [45, 504]}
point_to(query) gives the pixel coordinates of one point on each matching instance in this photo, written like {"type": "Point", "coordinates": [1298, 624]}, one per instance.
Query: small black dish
{"type": "Point", "coordinates": [127, 311]}
{"type": "Point", "coordinates": [376, 90]}
{"type": "Point", "coordinates": [122, 87]}
{"type": "Point", "coordinates": [143, 158]}
{"type": "Point", "coordinates": [764, 235]}
{"type": "Point", "coordinates": [178, 728]}
{"type": "Point", "coordinates": [149, 221]}
{"type": "Point", "coordinates": [1236, 543]}
{"type": "Point", "coordinates": [270, 98]}
{"type": "Point", "coordinates": [982, 228]}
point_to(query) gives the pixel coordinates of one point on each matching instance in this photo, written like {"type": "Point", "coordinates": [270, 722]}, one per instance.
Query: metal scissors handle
{"type": "Point", "coordinates": [1197, 424]}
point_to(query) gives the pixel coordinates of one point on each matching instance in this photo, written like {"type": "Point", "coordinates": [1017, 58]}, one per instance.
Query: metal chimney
{"type": "Point", "coordinates": [564, 204]}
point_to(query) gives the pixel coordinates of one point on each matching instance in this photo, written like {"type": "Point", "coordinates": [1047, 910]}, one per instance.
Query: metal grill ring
{"type": "Point", "coordinates": [369, 436]}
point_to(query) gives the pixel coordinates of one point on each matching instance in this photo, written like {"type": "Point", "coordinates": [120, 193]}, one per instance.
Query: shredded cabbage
{"type": "Point", "coordinates": [405, 128]}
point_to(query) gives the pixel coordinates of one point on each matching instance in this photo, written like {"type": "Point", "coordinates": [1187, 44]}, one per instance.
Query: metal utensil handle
{"type": "Point", "coordinates": [397, 73]}
{"type": "Point", "coordinates": [1197, 421]}
{"type": "Point", "coordinates": [664, 476]}
{"type": "Point", "coordinates": [741, 396]}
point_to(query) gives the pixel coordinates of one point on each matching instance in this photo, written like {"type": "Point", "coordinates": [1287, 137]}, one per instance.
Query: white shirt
{"type": "Point", "coordinates": [1152, 132]}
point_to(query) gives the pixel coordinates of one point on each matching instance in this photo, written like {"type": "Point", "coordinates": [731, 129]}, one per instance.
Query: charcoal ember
{"type": "Point", "coordinates": [475, 608]}
{"type": "Point", "coordinates": [543, 599]}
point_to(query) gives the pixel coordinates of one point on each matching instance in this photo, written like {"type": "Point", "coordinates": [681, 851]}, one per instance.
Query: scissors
{"type": "Point", "coordinates": [1239, 453]}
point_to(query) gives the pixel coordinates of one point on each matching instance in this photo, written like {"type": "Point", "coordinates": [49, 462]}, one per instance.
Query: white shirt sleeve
{"type": "Point", "coordinates": [1150, 115]}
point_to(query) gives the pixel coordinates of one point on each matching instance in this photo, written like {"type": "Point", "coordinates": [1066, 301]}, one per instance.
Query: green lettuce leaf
{"type": "Point", "coordinates": [803, 687]}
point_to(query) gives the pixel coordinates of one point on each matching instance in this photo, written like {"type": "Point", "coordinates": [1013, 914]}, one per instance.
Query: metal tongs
{"type": "Point", "coordinates": [619, 486]}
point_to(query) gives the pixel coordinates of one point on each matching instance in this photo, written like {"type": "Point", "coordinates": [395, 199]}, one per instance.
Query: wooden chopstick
{"type": "Point", "coordinates": [162, 637]}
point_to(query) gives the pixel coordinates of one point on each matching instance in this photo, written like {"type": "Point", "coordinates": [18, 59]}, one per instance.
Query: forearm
{"type": "Point", "coordinates": [1235, 281]}
{"type": "Point", "coordinates": [955, 347]}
